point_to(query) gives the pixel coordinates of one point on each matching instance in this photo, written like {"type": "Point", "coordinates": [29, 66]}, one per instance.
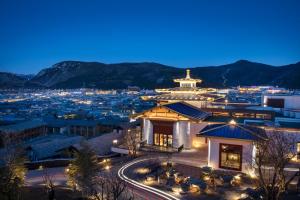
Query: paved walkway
{"type": "Point", "coordinates": [195, 157]}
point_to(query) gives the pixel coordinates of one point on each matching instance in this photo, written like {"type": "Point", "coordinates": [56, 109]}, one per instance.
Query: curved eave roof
{"type": "Point", "coordinates": [187, 80]}
{"type": "Point", "coordinates": [185, 96]}
{"type": "Point", "coordinates": [182, 109]}
{"type": "Point", "coordinates": [180, 97]}
{"type": "Point", "coordinates": [232, 131]}
{"type": "Point", "coordinates": [187, 110]}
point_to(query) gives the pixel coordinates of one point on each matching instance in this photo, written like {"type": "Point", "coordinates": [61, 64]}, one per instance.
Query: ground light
{"type": "Point", "coordinates": [252, 174]}
{"type": "Point", "coordinates": [194, 188]}
{"type": "Point", "coordinates": [142, 170]}
{"type": "Point", "coordinates": [244, 196]}
{"type": "Point", "coordinates": [176, 190]}
{"type": "Point", "coordinates": [107, 167]}
{"type": "Point", "coordinates": [237, 177]}
{"type": "Point", "coordinates": [41, 167]}
{"type": "Point", "coordinates": [206, 178]}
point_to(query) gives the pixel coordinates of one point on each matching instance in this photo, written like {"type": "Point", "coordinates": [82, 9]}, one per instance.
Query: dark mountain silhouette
{"type": "Point", "coordinates": [75, 74]}
{"type": "Point", "coordinates": [10, 80]}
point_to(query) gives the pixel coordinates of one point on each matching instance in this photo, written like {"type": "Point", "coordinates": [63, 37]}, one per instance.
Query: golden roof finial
{"type": "Point", "coordinates": [188, 74]}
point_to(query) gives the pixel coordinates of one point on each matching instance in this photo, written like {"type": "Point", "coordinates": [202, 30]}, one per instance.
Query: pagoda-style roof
{"type": "Point", "coordinates": [187, 78]}
{"type": "Point", "coordinates": [188, 91]}
{"type": "Point", "coordinates": [233, 131]}
{"type": "Point", "coordinates": [174, 111]}
{"type": "Point", "coordinates": [187, 110]}
{"type": "Point", "coordinates": [186, 97]}
{"type": "Point", "coordinates": [180, 89]}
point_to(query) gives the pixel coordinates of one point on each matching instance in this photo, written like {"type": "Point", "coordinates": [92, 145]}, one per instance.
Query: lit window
{"type": "Point", "coordinates": [230, 156]}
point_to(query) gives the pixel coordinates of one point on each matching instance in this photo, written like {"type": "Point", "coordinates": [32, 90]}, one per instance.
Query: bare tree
{"type": "Point", "coordinates": [49, 185]}
{"type": "Point", "coordinates": [117, 189]}
{"type": "Point", "coordinates": [272, 156]}
{"type": "Point", "coordinates": [132, 139]}
{"type": "Point", "coordinates": [101, 186]}
{"type": "Point", "coordinates": [110, 187]}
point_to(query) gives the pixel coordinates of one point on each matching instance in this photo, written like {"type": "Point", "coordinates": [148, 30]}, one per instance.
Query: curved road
{"type": "Point", "coordinates": [139, 186]}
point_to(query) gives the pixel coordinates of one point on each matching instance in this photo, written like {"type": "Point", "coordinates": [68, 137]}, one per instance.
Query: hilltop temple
{"type": "Point", "coordinates": [187, 91]}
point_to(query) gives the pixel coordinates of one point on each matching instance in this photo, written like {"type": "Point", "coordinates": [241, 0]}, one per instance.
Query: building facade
{"type": "Point", "coordinates": [226, 131]}
{"type": "Point", "coordinates": [171, 125]}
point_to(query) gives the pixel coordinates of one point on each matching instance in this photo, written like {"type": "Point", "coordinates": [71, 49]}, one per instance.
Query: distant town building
{"type": "Point", "coordinates": [24, 131]}
{"type": "Point", "coordinates": [288, 104]}
{"type": "Point", "coordinates": [21, 132]}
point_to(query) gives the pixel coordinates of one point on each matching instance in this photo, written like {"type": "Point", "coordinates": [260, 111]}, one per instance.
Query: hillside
{"type": "Point", "coordinates": [75, 74]}
{"type": "Point", "coordinates": [10, 80]}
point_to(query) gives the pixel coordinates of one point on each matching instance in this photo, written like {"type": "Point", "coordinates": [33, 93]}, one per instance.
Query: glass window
{"type": "Point", "coordinates": [156, 139]}
{"type": "Point", "coordinates": [163, 140]}
{"type": "Point", "coordinates": [170, 137]}
{"type": "Point", "coordinates": [230, 156]}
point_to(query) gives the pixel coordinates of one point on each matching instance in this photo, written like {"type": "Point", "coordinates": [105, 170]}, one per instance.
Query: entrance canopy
{"type": "Point", "coordinates": [174, 112]}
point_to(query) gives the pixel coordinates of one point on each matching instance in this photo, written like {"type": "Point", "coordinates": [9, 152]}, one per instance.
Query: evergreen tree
{"type": "Point", "coordinates": [84, 170]}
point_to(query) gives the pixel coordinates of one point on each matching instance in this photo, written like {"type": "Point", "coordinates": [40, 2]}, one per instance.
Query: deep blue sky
{"type": "Point", "coordinates": [35, 34]}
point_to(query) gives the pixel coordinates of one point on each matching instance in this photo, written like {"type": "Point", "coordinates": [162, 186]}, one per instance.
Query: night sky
{"type": "Point", "coordinates": [35, 34]}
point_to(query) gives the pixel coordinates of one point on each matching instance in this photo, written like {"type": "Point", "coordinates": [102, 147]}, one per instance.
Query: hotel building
{"type": "Point", "coordinates": [186, 118]}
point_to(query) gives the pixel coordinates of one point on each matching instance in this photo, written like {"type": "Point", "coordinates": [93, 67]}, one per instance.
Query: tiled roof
{"type": "Point", "coordinates": [234, 131]}
{"type": "Point", "coordinates": [48, 149]}
{"type": "Point", "coordinates": [187, 110]}
{"type": "Point", "coordinates": [71, 122]}
{"type": "Point", "coordinates": [101, 144]}
{"type": "Point", "coordinates": [180, 97]}
{"type": "Point", "coordinates": [22, 126]}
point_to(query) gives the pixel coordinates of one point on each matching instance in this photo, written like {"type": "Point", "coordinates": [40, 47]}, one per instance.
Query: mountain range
{"type": "Point", "coordinates": [76, 74]}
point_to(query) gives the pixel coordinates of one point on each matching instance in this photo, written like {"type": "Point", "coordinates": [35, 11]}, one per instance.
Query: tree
{"type": "Point", "coordinates": [12, 174]}
{"type": "Point", "coordinates": [83, 171]}
{"type": "Point", "coordinates": [272, 156]}
{"type": "Point", "coordinates": [49, 185]}
{"type": "Point", "coordinates": [113, 188]}
{"type": "Point", "coordinates": [132, 141]}
{"type": "Point", "coordinates": [101, 186]}
{"type": "Point", "coordinates": [116, 187]}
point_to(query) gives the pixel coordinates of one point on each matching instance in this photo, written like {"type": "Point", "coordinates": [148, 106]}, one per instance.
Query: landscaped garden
{"type": "Point", "coordinates": [188, 182]}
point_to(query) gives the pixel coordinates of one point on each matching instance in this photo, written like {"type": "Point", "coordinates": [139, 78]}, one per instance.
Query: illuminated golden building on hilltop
{"type": "Point", "coordinates": [187, 91]}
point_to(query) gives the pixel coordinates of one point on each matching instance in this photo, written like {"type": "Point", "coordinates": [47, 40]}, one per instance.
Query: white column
{"type": "Point", "coordinates": [148, 131]}
{"type": "Point", "coordinates": [176, 135]}
{"type": "Point", "coordinates": [188, 136]}
{"type": "Point", "coordinates": [208, 156]}
{"type": "Point", "coordinates": [182, 134]}
{"type": "Point", "coordinates": [150, 135]}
